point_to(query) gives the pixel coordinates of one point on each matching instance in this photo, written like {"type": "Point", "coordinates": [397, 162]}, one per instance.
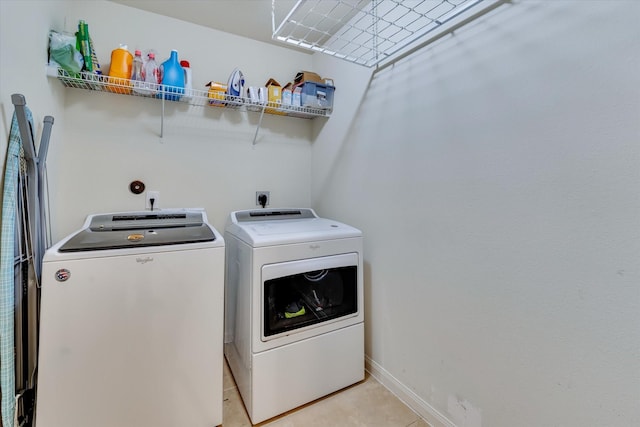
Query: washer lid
{"type": "Point", "coordinates": [145, 220]}
{"type": "Point", "coordinates": [276, 227]}
{"type": "Point", "coordinates": [135, 229]}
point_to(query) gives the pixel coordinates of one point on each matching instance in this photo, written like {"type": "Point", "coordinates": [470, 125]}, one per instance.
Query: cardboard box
{"type": "Point", "coordinates": [216, 93]}
{"type": "Point", "coordinates": [307, 76]}
{"type": "Point", "coordinates": [316, 95]}
{"type": "Point", "coordinates": [274, 96]}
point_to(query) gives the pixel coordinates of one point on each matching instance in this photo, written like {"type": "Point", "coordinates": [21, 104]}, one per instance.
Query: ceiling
{"type": "Point", "coordinates": [247, 18]}
{"type": "Point", "coordinates": [355, 30]}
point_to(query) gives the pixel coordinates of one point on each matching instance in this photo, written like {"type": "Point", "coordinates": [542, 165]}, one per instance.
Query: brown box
{"type": "Point", "coordinates": [274, 96]}
{"type": "Point", "coordinates": [307, 76]}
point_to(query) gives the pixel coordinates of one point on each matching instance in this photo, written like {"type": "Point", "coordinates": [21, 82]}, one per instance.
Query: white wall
{"type": "Point", "coordinates": [24, 31]}
{"type": "Point", "coordinates": [496, 177]}
{"type": "Point", "coordinates": [205, 158]}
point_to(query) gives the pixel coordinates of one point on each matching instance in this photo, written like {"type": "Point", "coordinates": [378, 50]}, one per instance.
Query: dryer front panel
{"type": "Point", "coordinates": [272, 269]}
{"type": "Point", "coordinates": [299, 295]}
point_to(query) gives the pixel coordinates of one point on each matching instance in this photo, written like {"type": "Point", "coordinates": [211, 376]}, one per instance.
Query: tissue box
{"type": "Point", "coordinates": [296, 95]}
{"type": "Point", "coordinates": [287, 93]}
{"type": "Point", "coordinates": [316, 95]}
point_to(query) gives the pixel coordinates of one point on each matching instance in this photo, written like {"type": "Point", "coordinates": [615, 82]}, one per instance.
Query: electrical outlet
{"type": "Point", "coordinates": [155, 195]}
{"type": "Point", "coordinates": [263, 194]}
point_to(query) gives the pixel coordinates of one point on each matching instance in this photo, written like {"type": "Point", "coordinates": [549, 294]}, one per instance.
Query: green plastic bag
{"type": "Point", "coordinates": [62, 52]}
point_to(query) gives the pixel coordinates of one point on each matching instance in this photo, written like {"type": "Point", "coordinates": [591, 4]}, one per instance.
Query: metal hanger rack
{"type": "Point", "coordinates": [365, 32]}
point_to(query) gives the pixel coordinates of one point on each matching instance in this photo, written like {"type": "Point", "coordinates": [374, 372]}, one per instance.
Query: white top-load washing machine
{"type": "Point", "coordinates": [294, 328]}
{"type": "Point", "coordinates": [131, 325]}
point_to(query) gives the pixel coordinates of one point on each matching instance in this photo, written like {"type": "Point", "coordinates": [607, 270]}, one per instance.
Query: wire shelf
{"type": "Point", "coordinates": [100, 83]}
{"type": "Point", "coordinates": [365, 32]}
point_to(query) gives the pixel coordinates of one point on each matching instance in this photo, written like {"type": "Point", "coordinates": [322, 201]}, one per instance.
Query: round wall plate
{"type": "Point", "coordinates": [136, 187]}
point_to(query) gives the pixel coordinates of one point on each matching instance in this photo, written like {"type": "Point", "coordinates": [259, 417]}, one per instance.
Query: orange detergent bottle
{"type": "Point", "coordinates": [120, 70]}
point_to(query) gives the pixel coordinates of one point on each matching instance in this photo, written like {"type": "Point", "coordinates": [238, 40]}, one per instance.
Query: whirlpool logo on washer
{"type": "Point", "coordinates": [144, 260]}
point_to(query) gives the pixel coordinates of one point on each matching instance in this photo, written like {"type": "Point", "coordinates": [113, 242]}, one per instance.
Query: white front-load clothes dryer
{"type": "Point", "coordinates": [131, 326]}
{"type": "Point", "coordinates": [294, 329]}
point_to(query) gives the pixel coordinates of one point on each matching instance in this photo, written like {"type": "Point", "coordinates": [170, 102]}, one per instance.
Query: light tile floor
{"type": "Point", "coordinates": [365, 404]}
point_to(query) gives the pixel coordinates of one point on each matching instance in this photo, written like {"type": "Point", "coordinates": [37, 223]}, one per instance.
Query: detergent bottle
{"type": "Point", "coordinates": [172, 78]}
{"type": "Point", "coordinates": [120, 70]}
{"type": "Point", "coordinates": [188, 82]}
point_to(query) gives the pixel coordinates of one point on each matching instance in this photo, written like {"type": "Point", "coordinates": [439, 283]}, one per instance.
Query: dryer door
{"type": "Point", "coordinates": [305, 294]}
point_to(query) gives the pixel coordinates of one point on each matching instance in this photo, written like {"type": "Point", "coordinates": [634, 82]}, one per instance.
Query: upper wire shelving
{"type": "Point", "coordinates": [195, 97]}
{"type": "Point", "coordinates": [366, 32]}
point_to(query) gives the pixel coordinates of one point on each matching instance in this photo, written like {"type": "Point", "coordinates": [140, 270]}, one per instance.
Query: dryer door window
{"type": "Point", "coordinates": [309, 297]}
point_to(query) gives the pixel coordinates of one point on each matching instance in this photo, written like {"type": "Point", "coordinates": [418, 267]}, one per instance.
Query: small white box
{"type": "Point", "coordinates": [296, 96]}
{"type": "Point", "coordinates": [257, 97]}
{"type": "Point", "coordinates": [287, 94]}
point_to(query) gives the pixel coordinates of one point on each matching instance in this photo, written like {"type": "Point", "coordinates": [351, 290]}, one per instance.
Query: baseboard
{"type": "Point", "coordinates": [412, 400]}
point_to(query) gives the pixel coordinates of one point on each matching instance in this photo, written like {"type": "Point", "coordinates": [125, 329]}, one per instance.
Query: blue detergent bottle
{"type": "Point", "coordinates": [172, 78]}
